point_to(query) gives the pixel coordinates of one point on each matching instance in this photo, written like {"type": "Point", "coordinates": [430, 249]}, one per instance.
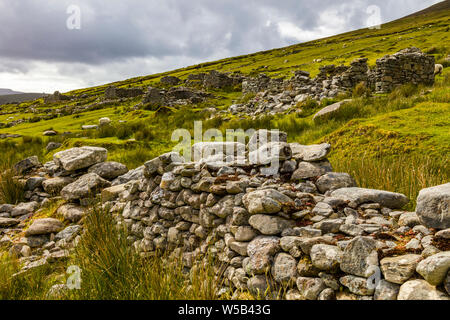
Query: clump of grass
{"type": "Point", "coordinates": [111, 269]}
{"type": "Point", "coordinates": [31, 285]}
{"type": "Point", "coordinates": [361, 90]}
{"type": "Point", "coordinates": [11, 190]}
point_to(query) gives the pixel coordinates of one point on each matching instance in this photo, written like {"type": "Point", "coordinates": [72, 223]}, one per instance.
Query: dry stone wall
{"type": "Point", "coordinates": [300, 227]}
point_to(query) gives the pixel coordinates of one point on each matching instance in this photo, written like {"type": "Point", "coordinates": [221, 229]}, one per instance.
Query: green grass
{"type": "Point", "coordinates": [398, 142]}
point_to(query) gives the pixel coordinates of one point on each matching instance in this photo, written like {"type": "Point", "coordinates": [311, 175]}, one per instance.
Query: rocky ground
{"type": "Point", "coordinates": [312, 231]}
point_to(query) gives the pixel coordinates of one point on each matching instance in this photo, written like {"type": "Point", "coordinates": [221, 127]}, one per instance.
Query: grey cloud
{"type": "Point", "coordinates": [167, 33]}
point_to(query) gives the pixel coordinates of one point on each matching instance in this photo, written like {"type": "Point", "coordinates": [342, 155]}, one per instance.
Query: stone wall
{"type": "Point", "coordinates": [112, 92]}
{"type": "Point", "coordinates": [278, 96]}
{"type": "Point", "coordinates": [406, 66]}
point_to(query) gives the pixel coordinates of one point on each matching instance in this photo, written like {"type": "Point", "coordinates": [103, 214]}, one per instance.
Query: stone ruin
{"type": "Point", "coordinates": [278, 95]}
{"type": "Point", "coordinates": [112, 92]}
{"type": "Point", "coordinates": [302, 227]}
{"type": "Point", "coordinates": [406, 66]}
{"type": "Point", "coordinates": [174, 96]}
{"type": "Point", "coordinates": [56, 97]}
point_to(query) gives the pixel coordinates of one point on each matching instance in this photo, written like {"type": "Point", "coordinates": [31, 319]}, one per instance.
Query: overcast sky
{"type": "Point", "coordinates": [122, 39]}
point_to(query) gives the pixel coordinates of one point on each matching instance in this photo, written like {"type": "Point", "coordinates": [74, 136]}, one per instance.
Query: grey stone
{"type": "Point", "coordinates": [434, 269]}
{"type": "Point", "coordinates": [408, 219]}
{"type": "Point", "coordinates": [357, 285]}
{"type": "Point", "coordinates": [266, 201]}
{"type": "Point", "coordinates": [331, 109]}
{"type": "Point", "coordinates": [27, 164]}
{"type": "Point", "coordinates": [307, 170]}
{"type": "Point", "coordinates": [24, 208]}
{"type": "Point", "coordinates": [310, 288]}
{"type": "Point", "coordinates": [359, 256]}
{"type": "Point", "coordinates": [310, 153]}
{"type": "Point", "coordinates": [420, 290]}
{"type": "Point", "coordinates": [386, 290]}
{"type": "Point", "coordinates": [44, 226]}
{"type": "Point", "coordinates": [399, 269]}
{"type": "Point", "coordinates": [326, 257]}
{"type": "Point", "coordinates": [433, 206]}
{"type": "Point", "coordinates": [69, 233]}
{"type": "Point", "coordinates": [71, 212]}
{"type": "Point", "coordinates": [54, 186]}
{"type": "Point", "coordinates": [8, 222]}
{"type": "Point", "coordinates": [332, 181]}
{"type": "Point", "coordinates": [109, 170]}
{"type": "Point", "coordinates": [284, 269]}
{"type": "Point", "coordinates": [360, 195]}
{"type": "Point", "coordinates": [80, 158]}
{"type": "Point", "coordinates": [269, 225]}
{"type": "Point", "coordinates": [86, 186]}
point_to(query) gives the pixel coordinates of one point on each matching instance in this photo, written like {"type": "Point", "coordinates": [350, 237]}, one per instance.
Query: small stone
{"type": "Point", "coordinates": [44, 226]}
{"type": "Point", "coordinates": [386, 290]}
{"type": "Point", "coordinates": [326, 257]}
{"type": "Point", "coordinates": [310, 288]}
{"type": "Point", "coordinates": [359, 256]}
{"type": "Point", "coordinates": [357, 285]}
{"type": "Point", "coordinates": [399, 269]}
{"type": "Point", "coordinates": [269, 225]}
{"type": "Point", "coordinates": [434, 269]}
{"type": "Point", "coordinates": [420, 290]}
{"type": "Point", "coordinates": [284, 269]}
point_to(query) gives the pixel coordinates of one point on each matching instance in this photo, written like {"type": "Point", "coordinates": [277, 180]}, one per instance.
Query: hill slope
{"type": "Point", "coordinates": [372, 128]}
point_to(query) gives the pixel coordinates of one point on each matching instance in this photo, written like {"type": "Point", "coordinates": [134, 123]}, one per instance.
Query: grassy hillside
{"type": "Point", "coordinates": [398, 141]}
{"type": "Point", "coordinates": [410, 122]}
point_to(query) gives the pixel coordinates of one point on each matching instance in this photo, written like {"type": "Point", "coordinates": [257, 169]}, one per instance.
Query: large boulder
{"type": "Point", "coordinates": [315, 152]}
{"type": "Point", "coordinates": [420, 290]}
{"type": "Point", "coordinates": [267, 201]}
{"type": "Point", "coordinates": [358, 196]}
{"type": "Point", "coordinates": [80, 158]}
{"type": "Point", "coordinates": [44, 226]}
{"type": "Point", "coordinates": [86, 186]}
{"type": "Point", "coordinates": [109, 170]}
{"type": "Point", "coordinates": [435, 268]}
{"type": "Point", "coordinates": [433, 206]}
{"type": "Point", "coordinates": [330, 110]}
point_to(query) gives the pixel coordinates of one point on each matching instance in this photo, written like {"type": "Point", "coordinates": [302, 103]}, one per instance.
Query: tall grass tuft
{"type": "Point", "coordinates": [407, 174]}
{"type": "Point", "coordinates": [111, 268]}
{"type": "Point", "coordinates": [11, 190]}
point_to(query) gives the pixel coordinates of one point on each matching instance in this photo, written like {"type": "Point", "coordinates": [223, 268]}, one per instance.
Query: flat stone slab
{"type": "Point", "coordinates": [360, 195]}
{"type": "Point", "coordinates": [80, 158]}
{"type": "Point", "coordinates": [329, 110]}
{"type": "Point", "coordinates": [315, 152]}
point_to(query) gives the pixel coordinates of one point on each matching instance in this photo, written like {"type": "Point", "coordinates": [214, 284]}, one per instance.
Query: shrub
{"type": "Point", "coordinates": [11, 190]}
{"type": "Point", "coordinates": [361, 90]}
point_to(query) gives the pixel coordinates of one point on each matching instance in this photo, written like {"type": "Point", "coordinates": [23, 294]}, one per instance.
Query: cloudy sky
{"type": "Point", "coordinates": [46, 46]}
